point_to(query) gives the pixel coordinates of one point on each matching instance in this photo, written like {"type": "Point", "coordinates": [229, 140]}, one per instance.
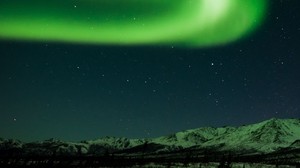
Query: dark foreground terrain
{"type": "Point", "coordinates": [182, 159]}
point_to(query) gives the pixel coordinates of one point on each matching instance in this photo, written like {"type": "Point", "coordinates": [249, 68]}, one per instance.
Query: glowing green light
{"type": "Point", "coordinates": [131, 22]}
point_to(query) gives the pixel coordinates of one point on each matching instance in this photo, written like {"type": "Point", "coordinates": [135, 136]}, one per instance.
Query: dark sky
{"type": "Point", "coordinates": [76, 92]}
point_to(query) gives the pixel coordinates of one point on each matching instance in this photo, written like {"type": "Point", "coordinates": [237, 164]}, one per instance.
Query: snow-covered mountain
{"type": "Point", "coordinates": [265, 137]}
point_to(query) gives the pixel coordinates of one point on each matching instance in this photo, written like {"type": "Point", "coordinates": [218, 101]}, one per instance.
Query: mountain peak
{"type": "Point", "coordinates": [264, 137]}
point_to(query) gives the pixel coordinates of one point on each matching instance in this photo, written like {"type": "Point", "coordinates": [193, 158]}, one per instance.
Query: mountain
{"type": "Point", "coordinates": [265, 137]}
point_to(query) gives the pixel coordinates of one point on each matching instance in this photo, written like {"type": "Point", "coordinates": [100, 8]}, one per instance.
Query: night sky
{"type": "Point", "coordinates": [86, 91]}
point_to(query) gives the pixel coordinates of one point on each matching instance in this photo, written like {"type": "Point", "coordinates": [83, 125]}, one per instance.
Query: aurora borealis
{"type": "Point", "coordinates": [193, 23]}
{"type": "Point", "coordinates": [84, 69]}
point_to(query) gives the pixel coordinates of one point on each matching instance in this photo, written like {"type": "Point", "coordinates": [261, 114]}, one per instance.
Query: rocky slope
{"type": "Point", "coordinates": [265, 137]}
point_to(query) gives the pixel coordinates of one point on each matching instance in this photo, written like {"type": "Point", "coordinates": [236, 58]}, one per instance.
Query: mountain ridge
{"type": "Point", "coordinates": [264, 137]}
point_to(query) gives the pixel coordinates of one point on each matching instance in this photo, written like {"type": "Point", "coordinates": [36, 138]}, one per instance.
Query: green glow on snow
{"type": "Point", "coordinates": [193, 23]}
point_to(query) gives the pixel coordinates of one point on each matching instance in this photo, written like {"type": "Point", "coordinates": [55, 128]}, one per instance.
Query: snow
{"type": "Point", "coordinates": [264, 137]}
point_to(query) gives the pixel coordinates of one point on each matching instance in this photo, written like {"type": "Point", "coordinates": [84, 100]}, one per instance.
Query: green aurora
{"type": "Point", "coordinates": [191, 23]}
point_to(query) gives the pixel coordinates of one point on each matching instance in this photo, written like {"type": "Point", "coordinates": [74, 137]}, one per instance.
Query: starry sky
{"type": "Point", "coordinates": [86, 91]}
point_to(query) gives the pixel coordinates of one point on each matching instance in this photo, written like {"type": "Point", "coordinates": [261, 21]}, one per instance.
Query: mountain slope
{"type": "Point", "coordinates": [264, 137]}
